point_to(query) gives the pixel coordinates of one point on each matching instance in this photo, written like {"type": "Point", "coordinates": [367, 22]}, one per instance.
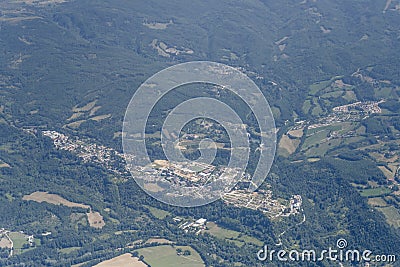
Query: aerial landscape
{"type": "Point", "coordinates": [319, 133]}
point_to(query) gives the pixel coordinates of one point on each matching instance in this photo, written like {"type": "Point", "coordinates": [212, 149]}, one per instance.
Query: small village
{"type": "Point", "coordinates": [100, 154]}
{"type": "Point", "coordinates": [181, 175]}
{"type": "Point", "coordinates": [263, 201]}
{"type": "Point", "coordinates": [347, 113]}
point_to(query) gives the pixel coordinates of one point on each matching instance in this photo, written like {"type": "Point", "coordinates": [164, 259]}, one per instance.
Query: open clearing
{"type": "Point", "coordinates": [101, 117]}
{"type": "Point", "coordinates": [161, 241]}
{"type": "Point", "coordinates": [4, 165]}
{"type": "Point", "coordinates": [166, 256]}
{"type": "Point", "coordinates": [389, 175]}
{"type": "Point", "coordinates": [153, 187]}
{"type": "Point", "coordinates": [53, 199]}
{"type": "Point", "coordinates": [95, 219]}
{"type": "Point", "coordinates": [290, 145]}
{"type": "Point", "coordinates": [375, 192]}
{"type": "Point", "coordinates": [377, 202]}
{"type": "Point", "coordinates": [296, 133]}
{"type": "Point", "coordinates": [158, 213]}
{"type": "Point", "coordinates": [392, 215]}
{"type": "Point", "coordinates": [19, 240]}
{"type": "Point", "coordinates": [5, 243]}
{"type": "Point", "coordinates": [125, 260]}
{"type": "Point", "coordinates": [68, 250]}
{"type": "Point", "coordinates": [230, 235]}
{"type": "Point", "coordinates": [85, 108]}
{"type": "Point", "coordinates": [157, 25]}
{"type": "Point", "coordinates": [75, 124]}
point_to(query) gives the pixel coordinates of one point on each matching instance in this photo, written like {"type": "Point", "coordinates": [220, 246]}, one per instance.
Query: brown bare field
{"type": "Point", "coordinates": [53, 199]}
{"type": "Point", "coordinates": [5, 243]}
{"type": "Point", "coordinates": [153, 187]}
{"type": "Point", "coordinates": [4, 165]}
{"type": "Point", "coordinates": [95, 219]}
{"type": "Point", "coordinates": [313, 159]}
{"type": "Point", "coordinates": [85, 108]}
{"type": "Point", "coordinates": [389, 175]}
{"type": "Point", "coordinates": [161, 241]}
{"type": "Point", "coordinates": [125, 260]}
{"type": "Point", "coordinates": [74, 124]}
{"type": "Point", "coordinates": [18, 19]}
{"type": "Point", "coordinates": [94, 110]}
{"type": "Point", "coordinates": [40, 2]}
{"type": "Point", "coordinates": [296, 133]}
{"type": "Point", "coordinates": [75, 115]}
{"type": "Point", "coordinates": [101, 117]}
{"type": "Point", "coordinates": [377, 202]}
{"type": "Point", "coordinates": [288, 144]}
{"type": "Point", "coordinates": [157, 25]}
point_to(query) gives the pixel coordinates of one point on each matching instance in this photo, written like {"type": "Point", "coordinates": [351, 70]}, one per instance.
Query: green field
{"type": "Point", "coordinates": [333, 127]}
{"type": "Point", "coordinates": [306, 106]}
{"type": "Point", "coordinates": [166, 256]}
{"type": "Point", "coordinates": [334, 94]}
{"type": "Point", "coordinates": [158, 213]}
{"type": "Point", "coordinates": [231, 235]}
{"type": "Point", "coordinates": [316, 87]}
{"type": "Point", "coordinates": [19, 240]}
{"type": "Point", "coordinates": [375, 192]}
{"type": "Point", "coordinates": [322, 148]}
{"type": "Point", "coordinates": [315, 139]}
{"type": "Point", "coordinates": [392, 215]}
{"type": "Point", "coordinates": [68, 250]}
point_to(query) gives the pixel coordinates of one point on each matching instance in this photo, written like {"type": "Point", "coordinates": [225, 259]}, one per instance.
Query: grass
{"type": "Point", "coordinates": [166, 256]}
{"type": "Point", "coordinates": [123, 260]}
{"type": "Point", "coordinates": [317, 110]}
{"type": "Point", "coordinates": [350, 96]}
{"type": "Point", "coordinates": [377, 202]}
{"type": "Point", "coordinates": [220, 232]}
{"type": "Point", "coordinates": [68, 250]}
{"type": "Point", "coordinates": [315, 139]}
{"type": "Point", "coordinates": [385, 92]}
{"type": "Point", "coordinates": [316, 87]}
{"type": "Point", "coordinates": [230, 235]}
{"type": "Point", "coordinates": [322, 148]}
{"type": "Point", "coordinates": [18, 240]}
{"type": "Point", "coordinates": [288, 144]}
{"type": "Point", "coordinates": [392, 215]}
{"type": "Point", "coordinates": [334, 94]}
{"type": "Point", "coordinates": [9, 197]}
{"type": "Point", "coordinates": [306, 106]}
{"type": "Point", "coordinates": [335, 127]}
{"type": "Point", "coordinates": [158, 213]}
{"type": "Point", "coordinates": [375, 192]}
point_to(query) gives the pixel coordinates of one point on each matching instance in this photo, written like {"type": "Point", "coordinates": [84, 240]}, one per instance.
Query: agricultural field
{"type": "Point", "coordinates": [231, 235]}
{"type": "Point", "coordinates": [126, 260]}
{"type": "Point", "coordinates": [375, 192]}
{"type": "Point", "coordinates": [95, 219]}
{"type": "Point", "coordinates": [158, 213]}
{"type": "Point", "coordinates": [392, 215]}
{"type": "Point", "coordinates": [167, 256]}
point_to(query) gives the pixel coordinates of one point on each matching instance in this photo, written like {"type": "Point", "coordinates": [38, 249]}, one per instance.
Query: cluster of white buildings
{"type": "Point", "coordinates": [369, 107]}
{"type": "Point", "coordinates": [263, 201]}
{"type": "Point", "coordinates": [195, 226]}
